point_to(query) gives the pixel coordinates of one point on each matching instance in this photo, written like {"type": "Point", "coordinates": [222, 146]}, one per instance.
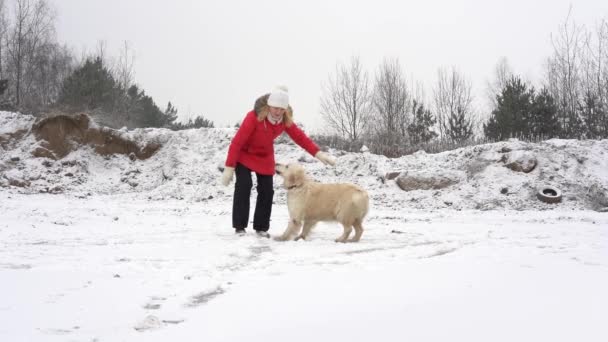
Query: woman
{"type": "Point", "coordinates": [252, 149]}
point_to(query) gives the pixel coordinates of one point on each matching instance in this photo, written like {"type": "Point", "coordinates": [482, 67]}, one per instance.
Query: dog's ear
{"type": "Point", "coordinates": [296, 177]}
{"type": "Point", "coordinates": [300, 175]}
{"type": "Point", "coordinates": [291, 180]}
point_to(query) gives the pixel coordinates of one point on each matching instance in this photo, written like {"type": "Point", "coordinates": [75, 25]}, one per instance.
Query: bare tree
{"type": "Point", "coordinates": [346, 100]}
{"type": "Point", "coordinates": [123, 70]}
{"type": "Point", "coordinates": [418, 93]}
{"type": "Point", "coordinates": [16, 44]}
{"type": "Point", "coordinates": [602, 77]}
{"type": "Point", "coordinates": [4, 25]}
{"type": "Point", "coordinates": [32, 30]}
{"type": "Point", "coordinates": [603, 37]}
{"type": "Point", "coordinates": [593, 62]}
{"type": "Point", "coordinates": [577, 78]}
{"type": "Point", "coordinates": [391, 102]}
{"type": "Point", "coordinates": [593, 90]}
{"type": "Point", "coordinates": [502, 74]}
{"type": "Point", "coordinates": [453, 101]}
{"type": "Point", "coordinates": [564, 74]}
{"type": "Point", "coordinates": [51, 64]}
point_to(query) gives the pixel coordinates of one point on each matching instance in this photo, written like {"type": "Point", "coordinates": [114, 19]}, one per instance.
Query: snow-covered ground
{"type": "Point", "coordinates": [109, 249]}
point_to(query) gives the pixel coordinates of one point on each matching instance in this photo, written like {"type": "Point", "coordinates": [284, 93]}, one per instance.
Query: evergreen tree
{"type": "Point", "coordinates": [170, 115]}
{"type": "Point", "coordinates": [131, 108]}
{"type": "Point", "coordinates": [595, 117]}
{"type": "Point", "coordinates": [198, 122]}
{"type": "Point", "coordinates": [92, 88]}
{"type": "Point", "coordinates": [544, 121]}
{"type": "Point", "coordinates": [89, 87]}
{"type": "Point", "coordinates": [201, 122]}
{"type": "Point", "coordinates": [492, 129]}
{"type": "Point", "coordinates": [512, 114]}
{"type": "Point", "coordinates": [419, 130]}
{"type": "Point", "coordinates": [459, 126]}
{"type": "Point", "coordinates": [571, 123]}
{"type": "Point", "coordinates": [150, 114]}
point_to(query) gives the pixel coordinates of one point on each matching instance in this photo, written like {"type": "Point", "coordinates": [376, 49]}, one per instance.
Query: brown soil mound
{"type": "Point", "coordinates": [61, 134]}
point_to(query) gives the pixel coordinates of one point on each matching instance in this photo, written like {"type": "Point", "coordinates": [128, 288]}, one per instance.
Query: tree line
{"type": "Point", "coordinates": [386, 110]}
{"type": "Point", "coordinates": [392, 114]}
{"type": "Point", "coordinates": [39, 75]}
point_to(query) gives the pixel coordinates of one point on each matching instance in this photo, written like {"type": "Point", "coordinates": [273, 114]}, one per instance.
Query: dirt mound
{"type": "Point", "coordinates": [61, 134]}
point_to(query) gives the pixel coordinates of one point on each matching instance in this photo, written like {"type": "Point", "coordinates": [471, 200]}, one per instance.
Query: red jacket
{"type": "Point", "coordinates": [253, 144]}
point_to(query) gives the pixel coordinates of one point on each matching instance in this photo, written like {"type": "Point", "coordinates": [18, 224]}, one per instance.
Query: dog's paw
{"type": "Point", "coordinates": [301, 237]}
{"type": "Point", "coordinates": [340, 240]}
{"type": "Point", "coordinates": [279, 238]}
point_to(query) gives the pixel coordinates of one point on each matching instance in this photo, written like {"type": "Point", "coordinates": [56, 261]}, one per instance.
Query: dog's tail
{"type": "Point", "coordinates": [361, 200]}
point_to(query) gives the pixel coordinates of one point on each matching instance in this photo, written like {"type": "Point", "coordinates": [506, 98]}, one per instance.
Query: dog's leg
{"type": "Point", "coordinates": [306, 229]}
{"type": "Point", "coordinates": [292, 230]}
{"type": "Point", "coordinates": [358, 232]}
{"type": "Point", "coordinates": [347, 229]}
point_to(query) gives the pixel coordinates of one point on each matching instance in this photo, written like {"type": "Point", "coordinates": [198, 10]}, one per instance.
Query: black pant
{"type": "Point", "coordinates": [240, 203]}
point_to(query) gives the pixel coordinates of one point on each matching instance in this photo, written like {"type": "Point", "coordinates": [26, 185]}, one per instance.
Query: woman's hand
{"type": "Point", "coordinates": [227, 175]}
{"type": "Point", "coordinates": [326, 158]}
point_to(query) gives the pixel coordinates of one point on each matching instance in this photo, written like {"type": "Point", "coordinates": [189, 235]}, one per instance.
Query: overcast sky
{"type": "Point", "coordinates": [215, 57]}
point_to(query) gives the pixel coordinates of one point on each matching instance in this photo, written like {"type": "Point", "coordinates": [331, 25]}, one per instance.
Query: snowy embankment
{"type": "Point", "coordinates": [187, 167]}
{"type": "Point", "coordinates": [142, 250]}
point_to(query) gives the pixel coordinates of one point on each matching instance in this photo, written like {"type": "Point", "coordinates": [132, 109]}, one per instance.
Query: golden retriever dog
{"type": "Point", "coordinates": [309, 202]}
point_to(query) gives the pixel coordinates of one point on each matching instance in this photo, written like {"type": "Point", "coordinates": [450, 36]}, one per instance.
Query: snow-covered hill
{"type": "Point", "coordinates": [189, 162]}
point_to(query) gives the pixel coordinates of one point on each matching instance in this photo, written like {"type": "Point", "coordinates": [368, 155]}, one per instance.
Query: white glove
{"type": "Point", "coordinates": [326, 158]}
{"type": "Point", "coordinates": [227, 175]}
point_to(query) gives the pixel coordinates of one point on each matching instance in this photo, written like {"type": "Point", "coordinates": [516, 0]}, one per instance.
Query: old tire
{"type": "Point", "coordinates": [549, 194]}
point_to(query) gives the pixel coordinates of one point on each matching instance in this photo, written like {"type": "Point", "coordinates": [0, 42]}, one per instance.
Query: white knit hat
{"type": "Point", "coordinates": [279, 97]}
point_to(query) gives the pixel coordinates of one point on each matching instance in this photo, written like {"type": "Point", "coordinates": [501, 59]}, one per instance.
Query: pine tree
{"type": "Point", "coordinates": [572, 126]}
{"type": "Point", "coordinates": [131, 106]}
{"type": "Point", "coordinates": [595, 117]}
{"type": "Point", "coordinates": [419, 130]}
{"type": "Point", "coordinates": [92, 88]}
{"type": "Point", "coordinates": [198, 122]}
{"type": "Point", "coordinates": [492, 129]}
{"type": "Point", "coordinates": [512, 114]}
{"type": "Point", "coordinates": [201, 122]}
{"type": "Point", "coordinates": [151, 114]}
{"type": "Point", "coordinates": [140, 109]}
{"type": "Point", "coordinates": [89, 87]}
{"type": "Point", "coordinates": [544, 121]}
{"type": "Point", "coordinates": [170, 115]}
{"type": "Point", "coordinates": [459, 127]}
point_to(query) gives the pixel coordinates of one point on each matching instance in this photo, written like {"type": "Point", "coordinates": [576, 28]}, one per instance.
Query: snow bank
{"type": "Point", "coordinates": [188, 167]}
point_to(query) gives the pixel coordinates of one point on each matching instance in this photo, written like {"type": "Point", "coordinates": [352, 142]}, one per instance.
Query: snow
{"type": "Point", "coordinates": [144, 251]}
{"type": "Point", "coordinates": [11, 122]}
